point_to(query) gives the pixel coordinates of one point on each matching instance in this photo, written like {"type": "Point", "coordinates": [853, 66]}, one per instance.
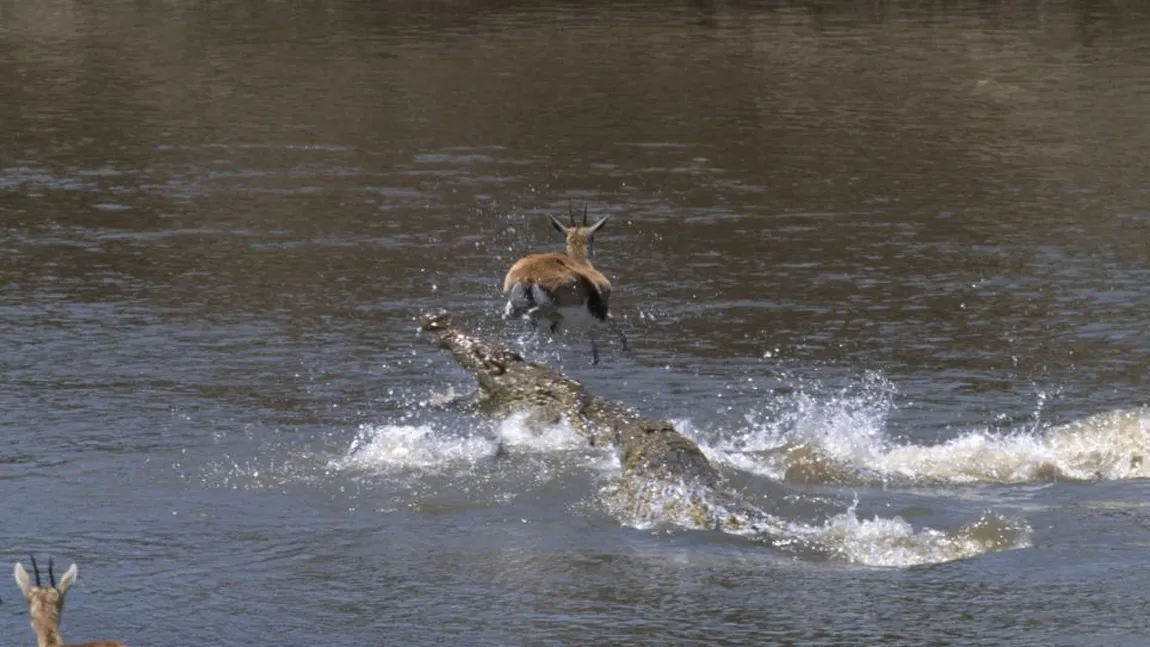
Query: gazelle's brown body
{"type": "Point", "coordinates": [562, 291]}
{"type": "Point", "coordinates": [46, 604]}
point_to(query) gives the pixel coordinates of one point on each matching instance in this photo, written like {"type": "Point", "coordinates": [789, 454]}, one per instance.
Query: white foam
{"type": "Point", "coordinates": [848, 436]}
{"type": "Point", "coordinates": [412, 446]}
{"type": "Point", "coordinates": [1105, 446]}
{"type": "Point", "coordinates": [429, 447]}
{"type": "Point", "coordinates": [881, 542]}
{"type": "Point", "coordinates": [519, 433]}
{"type": "Point", "coordinates": [892, 542]}
{"type": "Point", "coordinates": [847, 428]}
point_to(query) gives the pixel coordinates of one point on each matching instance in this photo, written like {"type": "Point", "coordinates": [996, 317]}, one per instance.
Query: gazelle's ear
{"type": "Point", "coordinates": [68, 580]}
{"type": "Point", "coordinates": [597, 226]}
{"type": "Point", "coordinates": [557, 225]}
{"type": "Point", "coordinates": [22, 579]}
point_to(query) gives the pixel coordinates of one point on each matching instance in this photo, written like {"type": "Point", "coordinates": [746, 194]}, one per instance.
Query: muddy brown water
{"type": "Point", "coordinates": [885, 261]}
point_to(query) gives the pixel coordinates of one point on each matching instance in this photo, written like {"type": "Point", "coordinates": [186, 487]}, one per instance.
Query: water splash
{"type": "Point", "coordinates": [518, 432]}
{"type": "Point", "coordinates": [263, 473]}
{"type": "Point", "coordinates": [431, 447]}
{"type": "Point", "coordinates": [425, 447]}
{"type": "Point", "coordinates": [812, 436]}
{"type": "Point", "coordinates": [893, 542]}
{"type": "Point", "coordinates": [844, 441]}
{"type": "Point", "coordinates": [844, 537]}
{"type": "Point", "coordinates": [1107, 446]}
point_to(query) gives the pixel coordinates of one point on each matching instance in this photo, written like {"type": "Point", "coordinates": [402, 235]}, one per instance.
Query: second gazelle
{"type": "Point", "coordinates": [46, 605]}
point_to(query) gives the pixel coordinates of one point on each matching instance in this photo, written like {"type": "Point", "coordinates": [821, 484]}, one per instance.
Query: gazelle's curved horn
{"type": "Point", "coordinates": [51, 575]}
{"type": "Point", "coordinates": [35, 569]}
{"type": "Point", "coordinates": [584, 214]}
{"type": "Point", "coordinates": [571, 212]}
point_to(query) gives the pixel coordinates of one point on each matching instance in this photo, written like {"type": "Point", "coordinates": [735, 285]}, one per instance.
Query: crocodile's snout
{"type": "Point", "coordinates": [435, 321]}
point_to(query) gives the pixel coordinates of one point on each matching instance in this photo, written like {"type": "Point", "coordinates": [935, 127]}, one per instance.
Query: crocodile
{"type": "Point", "coordinates": [666, 479]}
{"type": "Point", "coordinates": [664, 475]}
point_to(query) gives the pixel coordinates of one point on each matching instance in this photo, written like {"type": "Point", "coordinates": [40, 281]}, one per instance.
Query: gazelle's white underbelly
{"type": "Point", "coordinates": [539, 307]}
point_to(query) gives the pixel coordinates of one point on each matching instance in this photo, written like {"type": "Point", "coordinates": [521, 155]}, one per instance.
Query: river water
{"type": "Point", "coordinates": [885, 261]}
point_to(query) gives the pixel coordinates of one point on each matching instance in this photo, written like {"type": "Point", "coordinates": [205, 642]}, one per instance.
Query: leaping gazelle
{"type": "Point", "coordinates": [563, 291]}
{"type": "Point", "coordinates": [46, 604]}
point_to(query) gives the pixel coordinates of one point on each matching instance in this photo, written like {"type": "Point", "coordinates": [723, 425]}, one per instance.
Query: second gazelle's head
{"type": "Point", "coordinates": [580, 238]}
{"type": "Point", "coordinates": [45, 603]}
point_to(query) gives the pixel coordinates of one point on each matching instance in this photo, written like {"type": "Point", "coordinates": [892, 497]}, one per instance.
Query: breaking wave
{"type": "Point", "coordinates": [413, 446]}
{"type": "Point", "coordinates": [844, 442]}
{"type": "Point", "coordinates": [846, 536]}
{"type": "Point", "coordinates": [431, 446]}
{"type": "Point", "coordinates": [894, 542]}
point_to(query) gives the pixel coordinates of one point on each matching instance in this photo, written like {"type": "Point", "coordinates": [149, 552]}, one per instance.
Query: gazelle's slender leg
{"type": "Point", "coordinates": [594, 348]}
{"type": "Point", "coordinates": [614, 326]}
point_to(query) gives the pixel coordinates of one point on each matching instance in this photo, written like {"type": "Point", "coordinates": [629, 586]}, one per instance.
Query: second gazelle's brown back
{"type": "Point", "coordinates": [563, 291]}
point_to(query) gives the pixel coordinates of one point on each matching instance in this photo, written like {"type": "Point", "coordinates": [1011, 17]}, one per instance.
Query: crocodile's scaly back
{"type": "Point", "coordinates": [652, 452]}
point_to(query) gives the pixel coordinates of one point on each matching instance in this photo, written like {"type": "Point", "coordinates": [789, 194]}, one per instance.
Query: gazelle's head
{"type": "Point", "coordinates": [580, 238]}
{"type": "Point", "coordinates": [45, 603]}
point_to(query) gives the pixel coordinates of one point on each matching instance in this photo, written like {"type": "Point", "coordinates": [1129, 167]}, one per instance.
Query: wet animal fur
{"type": "Point", "coordinates": [46, 604]}
{"type": "Point", "coordinates": [562, 291]}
